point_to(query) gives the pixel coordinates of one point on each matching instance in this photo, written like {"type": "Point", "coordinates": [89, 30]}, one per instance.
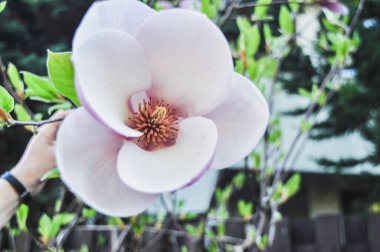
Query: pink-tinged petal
{"type": "Point", "coordinates": [87, 158]}
{"type": "Point", "coordinates": [109, 68]}
{"type": "Point", "coordinates": [241, 121]}
{"type": "Point", "coordinates": [174, 167]}
{"type": "Point", "coordinates": [189, 58]}
{"type": "Point", "coordinates": [124, 15]}
{"type": "Point", "coordinates": [335, 6]}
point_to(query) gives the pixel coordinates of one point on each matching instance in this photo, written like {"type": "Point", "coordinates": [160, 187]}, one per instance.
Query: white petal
{"type": "Point", "coordinates": [86, 157]}
{"type": "Point", "coordinates": [124, 15]}
{"type": "Point", "coordinates": [174, 167]}
{"type": "Point", "coordinates": [109, 68]}
{"type": "Point", "coordinates": [136, 100]}
{"type": "Point", "coordinates": [241, 121]}
{"type": "Point", "coordinates": [189, 58]}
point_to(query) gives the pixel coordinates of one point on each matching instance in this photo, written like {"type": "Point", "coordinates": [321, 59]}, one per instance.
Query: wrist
{"type": "Point", "coordinates": [27, 177]}
{"type": "Point", "coordinates": [18, 187]}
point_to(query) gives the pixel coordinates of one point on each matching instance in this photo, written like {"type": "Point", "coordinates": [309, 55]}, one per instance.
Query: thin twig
{"type": "Point", "coordinates": [332, 72]}
{"type": "Point", "coordinates": [36, 124]}
{"type": "Point", "coordinates": [61, 237]}
{"type": "Point", "coordinates": [120, 239]}
{"type": "Point", "coordinates": [227, 14]}
{"type": "Point", "coordinates": [355, 19]}
{"type": "Point", "coordinates": [159, 235]}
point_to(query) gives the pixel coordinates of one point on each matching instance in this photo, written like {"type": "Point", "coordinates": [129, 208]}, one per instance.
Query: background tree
{"type": "Point", "coordinates": [356, 107]}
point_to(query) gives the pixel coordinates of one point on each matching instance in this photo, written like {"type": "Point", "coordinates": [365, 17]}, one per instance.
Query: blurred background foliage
{"type": "Point", "coordinates": [356, 107]}
{"type": "Point", "coordinates": [28, 28]}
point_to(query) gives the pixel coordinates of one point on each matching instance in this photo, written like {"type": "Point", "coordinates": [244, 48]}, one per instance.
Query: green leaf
{"type": "Point", "coordinates": [49, 228]}
{"type": "Point", "coordinates": [184, 249]}
{"type": "Point", "coordinates": [294, 5]}
{"type": "Point", "coordinates": [58, 221]}
{"type": "Point", "coordinates": [40, 88]}
{"type": "Point", "coordinates": [191, 229]}
{"type": "Point", "coordinates": [267, 34]}
{"type": "Point", "coordinates": [241, 207]}
{"type": "Point", "coordinates": [220, 229]}
{"type": "Point", "coordinates": [330, 26]}
{"type": "Point", "coordinates": [219, 195]}
{"type": "Point", "coordinates": [356, 40]}
{"type": "Point", "coordinates": [292, 186]}
{"type": "Point", "coordinates": [245, 209]}
{"type": "Point", "coordinates": [239, 66]}
{"type": "Point", "coordinates": [262, 242]}
{"type": "Point", "coordinates": [61, 73]}
{"type": "Point", "coordinates": [15, 78]}
{"type": "Point", "coordinates": [66, 218]}
{"type": "Point", "coordinates": [38, 116]}
{"type": "Point", "coordinates": [210, 8]}
{"type": "Point", "coordinates": [322, 99]}
{"type": "Point", "coordinates": [306, 125]}
{"type": "Point", "coordinates": [22, 114]}
{"type": "Point", "coordinates": [21, 216]}
{"type": "Point", "coordinates": [249, 38]}
{"type": "Point", "coordinates": [239, 180]}
{"type": "Point", "coordinates": [84, 248]}
{"type": "Point", "coordinates": [243, 24]}
{"type": "Point", "coordinates": [44, 226]}
{"type": "Point", "coordinates": [53, 174]}
{"type": "Point", "coordinates": [7, 102]}
{"type": "Point", "coordinates": [286, 20]}
{"type": "Point", "coordinates": [88, 213]}
{"type": "Point", "coordinates": [115, 221]}
{"type": "Point", "coordinates": [303, 92]}
{"type": "Point", "coordinates": [257, 159]}
{"type": "Point", "coordinates": [2, 6]}
{"type": "Point", "coordinates": [253, 40]}
{"type": "Point", "coordinates": [275, 136]}
{"type": "Point", "coordinates": [260, 12]}
{"type": "Point", "coordinates": [64, 106]}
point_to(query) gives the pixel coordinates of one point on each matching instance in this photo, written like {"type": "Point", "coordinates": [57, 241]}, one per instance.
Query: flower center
{"type": "Point", "coordinates": [159, 123]}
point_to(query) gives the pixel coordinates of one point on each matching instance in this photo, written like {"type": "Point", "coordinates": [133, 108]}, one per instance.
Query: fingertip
{"type": "Point", "coordinates": [59, 114]}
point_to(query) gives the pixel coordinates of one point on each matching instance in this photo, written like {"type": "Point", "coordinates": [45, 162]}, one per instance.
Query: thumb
{"type": "Point", "coordinates": [50, 130]}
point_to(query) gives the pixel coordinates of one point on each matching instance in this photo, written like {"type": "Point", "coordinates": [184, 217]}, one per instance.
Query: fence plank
{"type": "Point", "coordinates": [327, 233]}
{"type": "Point", "coordinates": [356, 229]}
{"type": "Point", "coordinates": [305, 248]}
{"type": "Point", "coordinates": [281, 242]}
{"type": "Point", "coordinates": [302, 232]}
{"type": "Point", "coordinates": [356, 248]}
{"type": "Point", "coordinates": [374, 232]}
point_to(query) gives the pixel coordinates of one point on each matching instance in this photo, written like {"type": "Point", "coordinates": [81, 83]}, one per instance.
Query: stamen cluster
{"type": "Point", "coordinates": [159, 123]}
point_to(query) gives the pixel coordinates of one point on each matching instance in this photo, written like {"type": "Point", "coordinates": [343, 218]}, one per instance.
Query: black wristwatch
{"type": "Point", "coordinates": [25, 195]}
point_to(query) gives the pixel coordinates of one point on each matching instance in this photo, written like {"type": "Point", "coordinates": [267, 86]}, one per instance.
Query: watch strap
{"type": "Point", "coordinates": [18, 187]}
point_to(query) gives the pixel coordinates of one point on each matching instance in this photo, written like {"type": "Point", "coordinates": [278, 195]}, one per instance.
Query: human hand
{"type": "Point", "coordinates": [39, 156]}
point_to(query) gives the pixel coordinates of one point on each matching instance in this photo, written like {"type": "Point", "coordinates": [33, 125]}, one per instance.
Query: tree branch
{"type": "Point", "coordinates": [36, 124]}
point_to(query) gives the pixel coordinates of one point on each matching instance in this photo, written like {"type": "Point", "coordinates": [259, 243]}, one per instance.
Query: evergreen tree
{"type": "Point", "coordinates": [356, 107]}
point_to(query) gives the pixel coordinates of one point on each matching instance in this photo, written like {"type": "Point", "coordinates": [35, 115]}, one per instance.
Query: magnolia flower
{"type": "Point", "coordinates": [161, 106]}
{"type": "Point", "coordinates": [334, 6]}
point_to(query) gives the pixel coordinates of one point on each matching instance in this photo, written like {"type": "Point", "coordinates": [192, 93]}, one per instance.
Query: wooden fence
{"type": "Point", "coordinates": [330, 233]}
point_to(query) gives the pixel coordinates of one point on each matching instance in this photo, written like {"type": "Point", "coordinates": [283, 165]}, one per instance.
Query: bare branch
{"type": "Point", "coordinates": [36, 124]}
